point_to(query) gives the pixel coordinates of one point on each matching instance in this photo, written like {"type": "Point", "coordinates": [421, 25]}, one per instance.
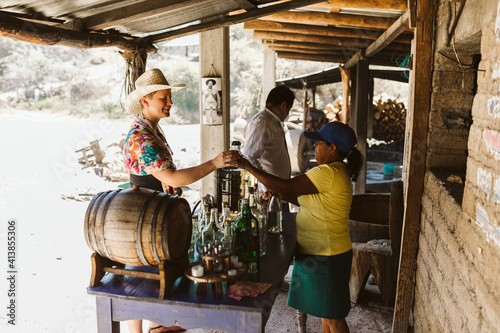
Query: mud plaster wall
{"type": "Point", "coordinates": [458, 265]}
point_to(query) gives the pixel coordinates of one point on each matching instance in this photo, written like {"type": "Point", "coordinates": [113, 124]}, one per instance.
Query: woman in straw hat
{"type": "Point", "coordinates": [147, 155]}
{"type": "Point", "coordinates": [322, 267]}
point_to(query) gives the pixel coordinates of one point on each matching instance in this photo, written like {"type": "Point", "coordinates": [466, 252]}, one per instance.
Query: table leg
{"type": "Point", "coordinates": [301, 320]}
{"type": "Point", "coordinates": [105, 323]}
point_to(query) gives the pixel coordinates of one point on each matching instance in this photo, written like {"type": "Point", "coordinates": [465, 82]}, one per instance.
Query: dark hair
{"type": "Point", "coordinates": [354, 162]}
{"type": "Point", "coordinates": [279, 95]}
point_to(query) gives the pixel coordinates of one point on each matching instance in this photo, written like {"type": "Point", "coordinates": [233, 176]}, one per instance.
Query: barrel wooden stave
{"type": "Point", "coordinates": [119, 226]}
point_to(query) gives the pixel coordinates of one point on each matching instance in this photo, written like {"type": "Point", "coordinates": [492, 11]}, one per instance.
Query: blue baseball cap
{"type": "Point", "coordinates": [340, 134]}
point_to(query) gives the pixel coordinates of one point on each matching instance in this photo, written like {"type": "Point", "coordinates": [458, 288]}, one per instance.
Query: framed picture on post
{"type": "Point", "coordinates": [211, 99]}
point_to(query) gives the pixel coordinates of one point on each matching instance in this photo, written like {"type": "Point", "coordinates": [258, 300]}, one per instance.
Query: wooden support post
{"type": "Point", "coordinates": [369, 128]}
{"type": "Point", "coordinates": [269, 74]}
{"type": "Point", "coordinates": [419, 107]}
{"type": "Point", "coordinates": [346, 95]}
{"type": "Point", "coordinates": [359, 118]}
{"type": "Point", "coordinates": [214, 51]}
{"type": "Point", "coordinates": [304, 106]}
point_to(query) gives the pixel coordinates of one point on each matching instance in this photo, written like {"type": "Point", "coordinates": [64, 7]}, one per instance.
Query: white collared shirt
{"type": "Point", "coordinates": [265, 144]}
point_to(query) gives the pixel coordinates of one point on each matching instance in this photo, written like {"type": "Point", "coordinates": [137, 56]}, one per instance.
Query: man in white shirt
{"type": "Point", "coordinates": [265, 144]}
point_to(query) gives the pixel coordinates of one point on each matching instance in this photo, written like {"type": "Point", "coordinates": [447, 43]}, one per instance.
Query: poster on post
{"type": "Point", "coordinates": [212, 100]}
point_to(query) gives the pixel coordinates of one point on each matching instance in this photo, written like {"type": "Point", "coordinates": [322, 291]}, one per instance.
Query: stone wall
{"type": "Point", "coordinates": [458, 265]}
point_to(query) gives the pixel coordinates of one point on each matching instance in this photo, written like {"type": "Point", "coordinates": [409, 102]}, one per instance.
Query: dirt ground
{"type": "Point", "coordinates": [44, 189]}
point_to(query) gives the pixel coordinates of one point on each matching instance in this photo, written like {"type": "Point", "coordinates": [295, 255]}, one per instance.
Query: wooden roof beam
{"type": "Point", "coordinates": [368, 4]}
{"type": "Point", "coordinates": [137, 11]}
{"type": "Point", "coordinates": [30, 32]}
{"type": "Point", "coordinates": [245, 4]}
{"type": "Point", "coordinates": [311, 38]}
{"type": "Point", "coordinates": [382, 61]}
{"type": "Point", "coordinates": [316, 30]}
{"type": "Point", "coordinates": [316, 18]}
{"type": "Point", "coordinates": [385, 39]}
{"type": "Point", "coordinates": [230, 20]}
{"type": "Point", "coordinates": [393, 48]}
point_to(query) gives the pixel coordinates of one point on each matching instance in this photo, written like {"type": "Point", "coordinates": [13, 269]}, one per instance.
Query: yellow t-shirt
{"type": "Point", "coordinates": [322, 218]}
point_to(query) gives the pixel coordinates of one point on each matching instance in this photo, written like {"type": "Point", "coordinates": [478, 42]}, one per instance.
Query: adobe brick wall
{"type": "Point", "coordinates": [458, 264]}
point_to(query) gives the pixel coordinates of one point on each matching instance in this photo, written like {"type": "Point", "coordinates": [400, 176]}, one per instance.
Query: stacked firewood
{"type": "Point", "coordinates": [315, 120]}
{"type": "Point", "coordinates": [389, 120]}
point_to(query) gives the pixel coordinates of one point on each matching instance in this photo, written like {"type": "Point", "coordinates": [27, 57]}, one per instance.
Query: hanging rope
{"type": "Point", "coordinates": [135, 66]}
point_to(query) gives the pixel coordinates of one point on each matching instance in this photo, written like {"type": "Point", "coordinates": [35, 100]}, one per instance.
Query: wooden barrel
{"type": "Point", "coordinates": [138, 227]}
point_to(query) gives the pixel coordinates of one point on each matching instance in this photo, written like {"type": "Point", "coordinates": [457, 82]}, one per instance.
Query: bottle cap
{"type": "Point", "coordinates": [235, 143]}
{"type": "Point", "coordinates": [244, 201]}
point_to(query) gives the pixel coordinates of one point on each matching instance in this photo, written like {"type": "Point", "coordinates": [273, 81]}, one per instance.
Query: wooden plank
{"type": "Point", "coordinates": [270, 35]}
{"type": "Point", "coordinates": [359, 21]}
{"type": "Point", "coordinates": [310, 51]}
{"type": "Point", "coordinates": [137, 11]}
{"type": "Point", "coordinates": [381, 61]}
{"type": "Point", "coordinates": [305, 45]}
{"type": "Point", "coordinates": [419, 108]}
{"type": "Point", "coordinates": [359, 118]}
{"type": "Point", "coordinates": [312, 29]}
{"type": "Point", "coordinates": [400, 26]}
{"type": "Point", "coordinates": [412, 9]}
{"type": "Point", "coordinates": [230, 20]}
{"type": "Point", "coordinates": [30, 32]}
{"type": "Point", "coordinates": [368, 4]}
{"type": "Point", "coordinates": [104, 312]}
{"type": "Point", "coordinates": [245, 4]}
{"type": "Point", "coordinates": [383, 41]}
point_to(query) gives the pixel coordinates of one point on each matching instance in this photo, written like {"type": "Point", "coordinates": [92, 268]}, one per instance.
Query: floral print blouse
{"type": "Point", "coordinates": [146, 151]}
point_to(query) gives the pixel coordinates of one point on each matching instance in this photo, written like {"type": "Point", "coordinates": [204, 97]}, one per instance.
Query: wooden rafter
{"type": "Point", "coordinates": [368, 4]}
{"type": "Point", "coordinates": [315, 18]}
{"type": "Point", "coordinates": [311, 38]}
{"type": "Point", "coordinates": [311, 29]}
{"type": "Point", "coordinates": [137, 11]}
{"type": "Point", "coordinates": [382, 61]}
{"type": "Point", "coordinates": [316, 30]}
{"type": "Point", "coordinates": [245, 4]}
{"type": "Point", "coordinates": [230, 20]}
{"type": "Point", "coordinates": [385, 39]}
{"type": "Point", "coordinates": [26, 31]}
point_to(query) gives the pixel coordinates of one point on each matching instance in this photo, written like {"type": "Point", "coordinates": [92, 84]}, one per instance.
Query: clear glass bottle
{"type": "Point", "coordinates": [261, 219]}
{"type": "Point", "coordinates": [274, 215]}
{"type": "Point", "coordinates": [246, 238]}
{"type": "Point", "coordinates": [193, 254]}
{"type": "Point", "coordinates": [235, 145]}
{"type": "Point", "coordinates": [225, 214]}
{"type": "Point", "coordinates": [228, 238]}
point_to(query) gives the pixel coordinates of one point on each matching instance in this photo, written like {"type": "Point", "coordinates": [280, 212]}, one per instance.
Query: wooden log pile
{"type": "Point", "coordinates": [315, 119]}
{"type": "Point", "coordinates": [389, 120]}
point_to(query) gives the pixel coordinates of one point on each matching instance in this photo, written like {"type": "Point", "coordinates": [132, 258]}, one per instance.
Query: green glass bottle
{"type": "Point", "coordinates": [246, 236]}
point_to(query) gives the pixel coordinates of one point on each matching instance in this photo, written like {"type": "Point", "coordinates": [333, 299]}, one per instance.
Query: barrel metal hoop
{"type": "Point", "coordinates": [152, 242]}
{"type": "Point", "coordinates": [104, 212]}
{"type": "Point", "coordinates": [138, 229]}
{"type": "Point", "coordinates": [93, 226]}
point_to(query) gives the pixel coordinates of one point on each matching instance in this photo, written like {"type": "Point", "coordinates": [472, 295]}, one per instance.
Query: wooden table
{"type": "Point", "coordinates": [122, 298]}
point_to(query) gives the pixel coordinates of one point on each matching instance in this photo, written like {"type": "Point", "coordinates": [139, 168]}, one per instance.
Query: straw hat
{"type": "Point", "coordinates": [150, 81]}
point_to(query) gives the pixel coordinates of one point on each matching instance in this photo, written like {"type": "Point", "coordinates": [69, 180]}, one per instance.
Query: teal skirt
{"type": "Point", "coordinates": [320, 285]}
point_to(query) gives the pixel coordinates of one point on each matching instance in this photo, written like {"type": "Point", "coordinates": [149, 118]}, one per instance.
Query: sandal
{"type": "Point", "coordinates": [171, 329]}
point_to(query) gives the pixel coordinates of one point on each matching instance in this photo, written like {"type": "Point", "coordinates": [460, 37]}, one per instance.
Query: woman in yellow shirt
{"type": "Point", "coordinates": [322, 268]}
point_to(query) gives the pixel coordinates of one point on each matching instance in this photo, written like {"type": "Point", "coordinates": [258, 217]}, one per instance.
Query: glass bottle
{"type": "Point", "coordinates": [225, 214]}
{"type": "Point", "coordinates": [236, 145]}
{"type": "Point", "coordinates": [261, 219]}
{"type": "Point", "coordinates": [228, 238]}
{"type": "Point", "coordinates": [274, 215]}
{"type": "Point", "coordinates": [246, 238]}
{"type": "Point", "coordinates": [193, 249]}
